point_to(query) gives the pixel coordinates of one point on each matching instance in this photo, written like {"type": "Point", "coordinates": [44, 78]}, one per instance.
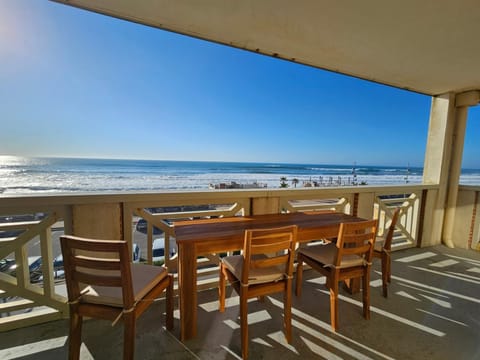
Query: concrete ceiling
{"type": "Point", "coordinates": [427, 46]}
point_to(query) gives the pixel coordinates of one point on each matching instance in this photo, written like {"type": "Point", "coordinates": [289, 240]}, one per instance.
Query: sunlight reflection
{"type": "Point", "coordinates": [445, 274]}
{"type": "Point", "coordinates": [322, 337]}
{"type": "Point", "coordinates": [229, 302]}
{"type": "Point", "coordinates": [406, 295]}
{"type": "Point", "coordinates": [439, 302]}
{"type": "Point", "coordinates": [475, 270]}
{"type": "Point", "coordinates": [442, 317]}
{"type": "Point", "coordinates": [262, 342]}
{"type": "Point", "coordinates": [464, 275]}
{"type": "Point", "coordinates": [259, 316]}
{"type": "Point", "coordinates": [390, 315]}
{"type": "Point", "coordinates": [471, 261]}
{"type": "Point", "coordinates": [252, 318]}
{"type": "Point", "coordinates": [85, 353]}
{"type": "Point", "coordinates": [176, 314]}
{"type": "Point", "coordinates": [279, 337]}
{"type": "Point", "coordinates": [423, 290]}
{"type": "Point", "coordinates": [376, 283]}
{"type": "Point", "coordinates": [231, 324]}
{"type": "Point", "coordinates": [460, 296]}
{"type": "Point", "coordinates": [315, 348]}
{"type": "Point", "coordinates": [318, 280]}
{"type": "Point", "coordinates": [425, 255]}
{"type": "Point", "coordinates": [33, 348]}
{"type": "Point", "coordinates": [230, 352]}
{"type": "Point", "coordinates": [444, 263]}
{"type": "Point", "coordinates": [330, 341]}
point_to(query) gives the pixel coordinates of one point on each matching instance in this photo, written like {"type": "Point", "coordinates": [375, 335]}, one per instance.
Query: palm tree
{"type": "Point", "coordinates": [295, 182]}
{"type": "Point", "coordinates": [283, 182]}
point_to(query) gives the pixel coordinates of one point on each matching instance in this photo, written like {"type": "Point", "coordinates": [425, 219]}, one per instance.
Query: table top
{"type": "Point", "coordinates": [235, 226]}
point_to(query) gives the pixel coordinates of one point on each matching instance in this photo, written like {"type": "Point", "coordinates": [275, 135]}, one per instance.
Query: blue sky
{"type": "Point", "coordinates": [74, 83]}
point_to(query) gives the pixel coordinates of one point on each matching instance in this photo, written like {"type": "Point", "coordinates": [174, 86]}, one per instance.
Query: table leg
{"type": "Point", "coordinates": [187, 287]}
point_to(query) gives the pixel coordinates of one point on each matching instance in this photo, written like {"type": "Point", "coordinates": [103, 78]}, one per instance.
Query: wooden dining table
{"type": "Point", "coordinates": [206, 236]}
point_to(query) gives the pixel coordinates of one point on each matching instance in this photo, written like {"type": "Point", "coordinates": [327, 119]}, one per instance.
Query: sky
{"type": "Point", "coordinates": [79, 84]}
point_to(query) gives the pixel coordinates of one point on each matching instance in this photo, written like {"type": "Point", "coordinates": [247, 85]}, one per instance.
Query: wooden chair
{"type": "Point", "coordinates": [265, 267]}
{"type": "Point", "coordinates": [349, 258]}
{"type": "Point", "coordinates": [103, 283]}
{"type": "Point", "coordinates": [382, 249]}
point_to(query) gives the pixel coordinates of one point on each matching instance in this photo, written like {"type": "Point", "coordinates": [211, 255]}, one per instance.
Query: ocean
{"type": "Point", "coordinates": [24, 175]}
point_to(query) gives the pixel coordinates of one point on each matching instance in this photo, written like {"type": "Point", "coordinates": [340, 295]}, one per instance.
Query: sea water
{"type": "Point", "coordinates": [23, 175]}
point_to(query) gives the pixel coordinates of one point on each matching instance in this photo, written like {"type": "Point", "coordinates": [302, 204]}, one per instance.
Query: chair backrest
{"type": "Point", "coordinates": [269, 249]}
{"type": "Point", "coordinates": [387, 245]}
{"type": "Point", "coordinates": [89, 262]}
{"type": "Point", "coordinates": [355, 243]}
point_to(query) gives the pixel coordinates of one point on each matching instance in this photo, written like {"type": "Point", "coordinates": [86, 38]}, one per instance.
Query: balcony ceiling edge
{"type": "Point", "coordinates": [426, 47]}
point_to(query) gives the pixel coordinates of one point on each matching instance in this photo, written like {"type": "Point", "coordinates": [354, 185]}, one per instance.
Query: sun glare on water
{"type": "Point", "coordinates": [8, 160]}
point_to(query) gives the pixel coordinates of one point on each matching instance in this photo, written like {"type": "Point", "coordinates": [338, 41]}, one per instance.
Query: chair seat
{"type": "Point", "coordinates": [324, 254]}
{"type": "Point", "coordinates": [144, 279]}
{"type": "Point", "coordinates": [256, 276]}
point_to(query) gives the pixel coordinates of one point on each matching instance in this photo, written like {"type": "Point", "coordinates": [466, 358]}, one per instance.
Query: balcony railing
{"type": "Point", "coordinates": [31, 289]}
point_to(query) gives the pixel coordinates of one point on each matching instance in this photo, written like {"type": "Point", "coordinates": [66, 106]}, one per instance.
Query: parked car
{"type": "Point", "coordinates": [34, 267]}
{"type": "Point", "coordinates": [158, 253]}
{"type": "Point", "coordinates": [10, 233]}
{"type": "Point", "coordinates": [6, 264]}
{"type": "Point", "coordinates": [58, 272]}
{"type": "Point", "coordinates": [142, 227]}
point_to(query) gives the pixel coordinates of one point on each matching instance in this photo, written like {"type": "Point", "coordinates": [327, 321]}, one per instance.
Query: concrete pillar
{"type": "Point", "coordinates": [458, 140]}
{"type": "Point", "coordinates": [443, 160]}
{"type": "Point", "coordinates": [437, 161]}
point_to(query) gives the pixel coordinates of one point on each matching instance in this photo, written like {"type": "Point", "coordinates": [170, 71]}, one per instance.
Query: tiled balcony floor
{"type": "Point", "coordinates": [432, 312]}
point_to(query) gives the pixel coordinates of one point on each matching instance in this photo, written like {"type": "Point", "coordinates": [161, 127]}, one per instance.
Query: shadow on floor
{"type": "Point", "coordinates": [432, 312]}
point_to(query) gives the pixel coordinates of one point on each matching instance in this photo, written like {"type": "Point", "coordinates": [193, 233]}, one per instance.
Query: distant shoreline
{"type": "Point", "coordinates": [46, 175]}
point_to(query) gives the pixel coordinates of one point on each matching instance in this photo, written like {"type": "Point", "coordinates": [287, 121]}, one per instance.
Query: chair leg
{"type": "Point", "coordinates": [384, 274]}
{"type": "Point", "coordinates": [389, 267]}
{"type": "Point", "coordinates": [334, 304]}
{"type": "Point", "coordinates": [366, 293]}
{"type": "Point", "coordinates": [75, 340]}
{"type": "Point", "coordinates": [129, 335]}
{"type": "Point", "coordinates": [169, 304]}
{"type": "Point", "coordinates": [287, 311]}
{"type": "Point", "coordinates": [221, 289]}
{"type": "Point", "coordinates": [244, 323]}
{"type": "Point", "coordinates": [298, 278]}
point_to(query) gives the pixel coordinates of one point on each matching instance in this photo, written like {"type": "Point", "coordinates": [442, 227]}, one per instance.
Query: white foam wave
{"type": "Point", "coordinates": [51, 182]}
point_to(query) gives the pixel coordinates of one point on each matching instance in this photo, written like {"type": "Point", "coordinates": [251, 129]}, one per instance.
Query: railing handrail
{"type": "Point", "coordinates": [173, 197]}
